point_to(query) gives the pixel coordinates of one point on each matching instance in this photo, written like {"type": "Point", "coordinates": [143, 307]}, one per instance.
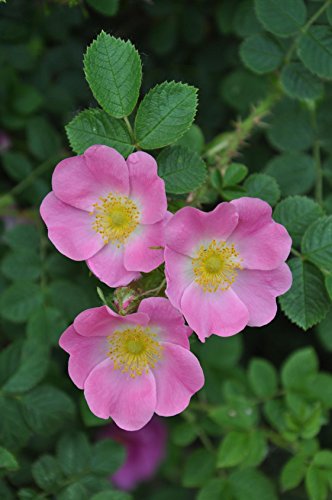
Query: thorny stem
{"type": "Point", "coordinates": [226, 145]}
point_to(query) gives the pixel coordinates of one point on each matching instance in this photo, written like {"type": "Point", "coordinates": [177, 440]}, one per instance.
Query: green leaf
{"type": "Point", "coordinates": [294, 172]}
{"type": "Point", "coordinates": [262, 186]}
{"type": "Point", "coordinates": [21, 265]}
{"type": "Point", "coordinates": [7, 460]}
{"type": "Point", "coordinates": [94, 126]}
{"type": "Point", "coordinates": [19, 300]}
{"type": "Point", "coordinates": [107, 457]}
{"type": "Point", "coordinates": [47, 321]}
{"type": "Point", "coordinates": [241, 89]}
{"type": "Point", "coordinates": [111, 495]}
{"type": "Point", "coordinates": [281, 17]}
{"type": "Point", "coordinates": [105, 7]}
{"type": "Point", "coordinates": [74, 453]}
{"type": "Point", "coordinates": [315, 50]}
{"type": "Point", "coordinates": [234, 174]}
{"type": "Point", "coordinates": [289, 115]}
{"type": "Point", "coordinates": [75, 491]}
{"type": "Point", "coordinates": [293, 473]}
{"type": "Point", "coordinates": [323, 459]}
{"type": "Point", "coordinates": [320, 388]}
{"type": "Point", "coordinates": [240, 414]}
{"type": "Point", "coordinates": [299, 83]}
{"type": "Point", "coordinates": [245, 20]}
{"type": "Point", "coordinates": [251, 484]}
{"type": "Point", "coordinates": [262, 378]}
{"type": "Point", "coordinates": [316, 484]}
{"type": "Point", "coordinates": [32, 366]}
{"type": "Point", "coordinates": [307, 302]}
{"type": "Point", "coordinates": [165, 114]}
{"type": "Point", "coordinates": [183, 434]}
{"type": "Point", "coordinates": [257, 449]}
{"type": "Point", "coordinates": [324, 330]}
{"type": "Point", "coordinates": [215, 489]}
{"type": "Point", "coordinates": [328, 284]}
{"type": "Point", "coordinates": [233, 449]}
{"type": "Point", "coordinates": [193, 139]}
{"type": "Point", "coordinates": [47, 473]}
{"type": "Point", "coordinates": [14, 432]}
{"type": "Point", "coordinates": [198, 468]}
{"type": "Point", "coordinates": [16, 165]}
{"type": "Point", "coordinates": [113, 70]}
{"type": "Point", "coordinates": [261, 54]}
{"type": "Point", "coordinates": [182, 169]}
{"type": "Point", "coordinates": [296, 213]}
{"type": "Point", "coordinates": [298, 368]}
{"type": "Point", "coordinates": [17, 237]}
{"type": "Point", "coordinates": [317, 243]}
{"type": "Point", "coordinates": [42, 138]}
{"type": "Point", "coordinates": [46, 409]}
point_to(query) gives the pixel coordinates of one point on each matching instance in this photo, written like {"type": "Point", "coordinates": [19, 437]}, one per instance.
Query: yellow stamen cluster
{"type": "Point", "coordinates": [134, 350]}
{"type": "Point", "coordinates": [215, 266]}
{"type": "Point", "coordinates": [116, 217]}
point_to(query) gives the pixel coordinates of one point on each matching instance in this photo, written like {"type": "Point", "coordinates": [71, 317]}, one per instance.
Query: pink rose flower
{"type": "Point", "coordinates": [225, 268]}
{"type": "Point", "coordinates": [145, 450]}
{"type": "Point", "coordinates": [132, 366]}
{"type": "Point", "coordinates": [109, 212]}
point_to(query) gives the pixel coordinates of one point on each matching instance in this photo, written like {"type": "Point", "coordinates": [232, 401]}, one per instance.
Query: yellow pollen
{"type": "Point", "coordinates": [134, 350]}
{"type": "Point", "coordinates": [215, 266]}
{"type": "Point", "coordinates": [116, 217]}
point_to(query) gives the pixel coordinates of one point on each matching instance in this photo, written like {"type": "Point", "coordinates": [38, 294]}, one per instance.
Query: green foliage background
{"type": "Point", "coordinates": [260, 429]}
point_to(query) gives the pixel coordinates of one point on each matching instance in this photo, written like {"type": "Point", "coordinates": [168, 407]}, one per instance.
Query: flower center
{"type": "Point", "coordinates": [134, 350]}
{"type": "Point", "coordinates": [116, 217]}
{"type": "Point", "coordinates": [215, 266]}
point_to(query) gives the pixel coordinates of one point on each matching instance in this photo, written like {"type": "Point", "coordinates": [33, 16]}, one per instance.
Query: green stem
{"type": "Point", "coordinates": [305, 28]}
{"type": "Point", "coordinates": [131, 131]}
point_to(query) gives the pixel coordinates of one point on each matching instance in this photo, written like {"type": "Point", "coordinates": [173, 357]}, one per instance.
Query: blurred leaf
{"type": "Point", "coordinates": [113, 70]}
{"type": "Point", "coordinates": [17, 165]}
{"type": "Point", "coordinates": [193, 139]}
{"type": "Point", "coordinates": [251, 484]}
{"type": "Point", "coordinates": [112, 495]}
{"type": "Point", "coordinates": [315, 50]}
{"type": "Point", "coordinates": [294, 172]}
{"type": "Point", "coordinates": [215, 489]}
{"type": "Point", "coordinates": [46, 409]}
{"type": "Point", "coordinates": [94, 126]}
{"type": "Point", "coordinates": [234, 174]}
{"type": "Point", "coordinates": [182, 169]}
{"type": "Point", "coordinates": [32, 365]}
{"type": "Point", "coordinates": [298, 368]}
{"type": "Point", "coordinates": [245, 20]}
{"type": "Point", "coordinates": [69, 298]}
{"type": "Point", "coordinates": [165, 114]}
{"type": "Point", "coordinates": [233, 449]}
{"type": "Point", "coordinates": [296, 213]}
{"type": "Point", "coordinates": [262, 378]}
{"type": "Point", "coordinates": [307, 302]}
{"type": "Point", "coordinates": [42, 138]}
{"type": "Point", "coordinates": [17, 237]}
{"type": "Point", "coordinates": [48, 322]}
{"type": "Point", "coordinates": [324, 329]}
{"type": "Point", "coordinates": [47, 473]}
{"type": "Point", "coordinates": [27, 99]}
{"type": "Point", "coordinates": [107, 457]}
{"type": "Point", "coordinates": [260, 54]}
{"type": "Point", "coordinates": [316, 484]}
{"type": "Point", "coordinates": [257, 449]}
{"type": "Point", "coordinates": [240, 414]}
{"type": "Point", "coordinates": [288, 116]}
{"type": "Point", "coordinates": [262, 186]}
{"type": "Point", "coordinates": [317, 243]}
{"type": "Point", "coordinates": [293, 472]}
{"type": "Point", "coordinates": [8, 360]}
{"type": "Point", "coordinates": [299, 83]}
{"type": "Point", "coordinates": [74, 453]}
{"type": "Point", "coordinates": [281, 17]}
{"type": "Point", "coordinates": [105, 7]}
{"type": "Point", "coordinates": [241, 89]}
{"type": "Point", "coordinates": [75, 491]}
{"type": "Point", "coordinates": [19, 300]}
{"type": "Point", "coordinates": [323, 459]}
{"type": "Point", "coordinates": [21, 265]}
{"type": "Point", "coordinates": [198, 469]}
{"type": "Point", "coordinates": [183, 434]}
{"type": "Point", "coordinates": [7, 460]}
{"type": "Point", "coordinates": [14, 432]}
